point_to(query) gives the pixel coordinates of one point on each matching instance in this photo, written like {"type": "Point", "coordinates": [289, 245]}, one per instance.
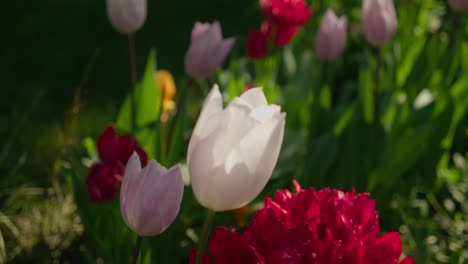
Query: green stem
{"type": "Point", "coordinates": [136, 252]}
{"type": "Point", "coordinates": [378, 59]}
{"type": "Point", "coordinates": [205, 235]}
{"type": "Point", "coordinates": [133, 78]}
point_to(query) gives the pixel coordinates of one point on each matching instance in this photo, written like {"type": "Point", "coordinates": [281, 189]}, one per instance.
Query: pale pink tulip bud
{"type": "Point", "coordinates": [207, 50]}
{"type": "Point", "coordinates": [331, 36]}
{"type": "Point", "coordinates": [459, 5]}
{"type": "Point", "coordinates": [126, 16]}
{"type": "Point", "coordinates": [150, 198]}
{"type": "Point", "coordinates": [379, 21]}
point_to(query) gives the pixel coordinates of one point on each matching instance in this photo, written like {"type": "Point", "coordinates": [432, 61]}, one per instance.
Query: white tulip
{"type": "Point", "coordinates": [233, 151]}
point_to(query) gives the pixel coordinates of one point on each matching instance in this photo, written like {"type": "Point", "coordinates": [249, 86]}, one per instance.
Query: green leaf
{"type": "Point", "coordinates": [322, 153]}
{"type": "Point", "coordinates": [344, 119]}
{"type": "Point", "coordinates": [408, 61]}
{"type": "Point", "coordinates": [459, 94]}
{"type": "Point", "coordinates": [424, 67]}
{"type": "Point", "coordinates": [401, 155]}
{"type": "Point", "coordinates": [177, 140]}
{"type": "Point", "coordinates": [147, 99]}
{"type": "Point", "coordinates": [366, 86]}
{"type": "Point", "coordinates": [90, 147]}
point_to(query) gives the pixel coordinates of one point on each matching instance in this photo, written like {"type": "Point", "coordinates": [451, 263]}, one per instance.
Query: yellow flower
{"type": "Point", "coordinates": [168, 90]}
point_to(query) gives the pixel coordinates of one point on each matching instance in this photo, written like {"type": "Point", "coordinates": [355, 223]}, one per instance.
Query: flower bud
{"type": "Point", "coordinates": [233, 151]}
{"type": "Point", "coordinates": [150, 198]}
{"type": "Point", "coordinates": [257, 44]}
{"type": "Point", "coordinates": [168, 89]}
{"type": "Point", "coordinates": [459, 5]}
{"type": "Point", "coordinates": [379, 21]}
{"type": "Point", "coordinates": [126, 16]}
{"type": "Point", "coordinates": [207, 51]}
{"type": "Point", "coordinates": [331, 36]}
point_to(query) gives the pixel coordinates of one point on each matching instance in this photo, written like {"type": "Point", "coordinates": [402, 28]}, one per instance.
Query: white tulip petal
{"type": "Point", "coordinates": [207, 121]}
{"type": "Point", "coordinates": [231, 164]}
{"type": "Point", "coordinates": [255, 97]}
{"type": "Point", "coordinates": [264, 113]}
{"type": "Point", "coordinates": [230, 191]}
{"type": "Point", "coordinates": [213, 187]}
{"type": "Point", "coordinates": [235, 123]}
{"type": "Point", "coordinates": [201, 171]}
{"type": "Point", "coordinates": [262, 159]}
{"type": "Point", "coordinates": [271, 153]}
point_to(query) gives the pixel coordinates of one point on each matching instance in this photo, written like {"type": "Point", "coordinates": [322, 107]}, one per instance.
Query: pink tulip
{"type": "Point", "coordinates": [126, 16]}
{"type": "Point", "coordinates": [207, 50]}
{"type": "Point", "coordinates": [379, 21]}
{"type": "Point", "coordinates": [459, 5]}
{"type": "Point", "coordinates": [150, 198]}
{"type": "Point", "coordinates": [331, 36]}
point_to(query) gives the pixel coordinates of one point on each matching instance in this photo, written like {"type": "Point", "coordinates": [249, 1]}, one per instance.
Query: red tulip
{"type": "Point", "coordinates": [257, 44]}
{"type": "Point", "coordinates": [286, 12]}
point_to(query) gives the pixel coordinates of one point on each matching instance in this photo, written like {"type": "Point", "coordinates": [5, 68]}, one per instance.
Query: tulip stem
{"type": "Point", "coordinates": [136, 252]}
{"type": "Point", "coordinates": [378, 58]}
{"type": "Point", "coordinates": [133, 78]}
{"type": "Point", "coordinates": [204, 235]}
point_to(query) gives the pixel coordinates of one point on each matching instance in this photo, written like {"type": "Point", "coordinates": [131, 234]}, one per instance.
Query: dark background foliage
{"type": "Point", "coordinates": [51, 48]}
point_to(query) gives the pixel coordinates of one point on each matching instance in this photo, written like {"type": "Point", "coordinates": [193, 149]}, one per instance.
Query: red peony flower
{"type": "Point", "coordinates": [113, 148]}
{"type": "Point", "coordinates": [286, 12]}
{"type": "Point", "coordinates": [104, 177]}
{"type": "Point", "coordinates": [326, 226]}
{"type": "Point", "coordinates": [103, 180]}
